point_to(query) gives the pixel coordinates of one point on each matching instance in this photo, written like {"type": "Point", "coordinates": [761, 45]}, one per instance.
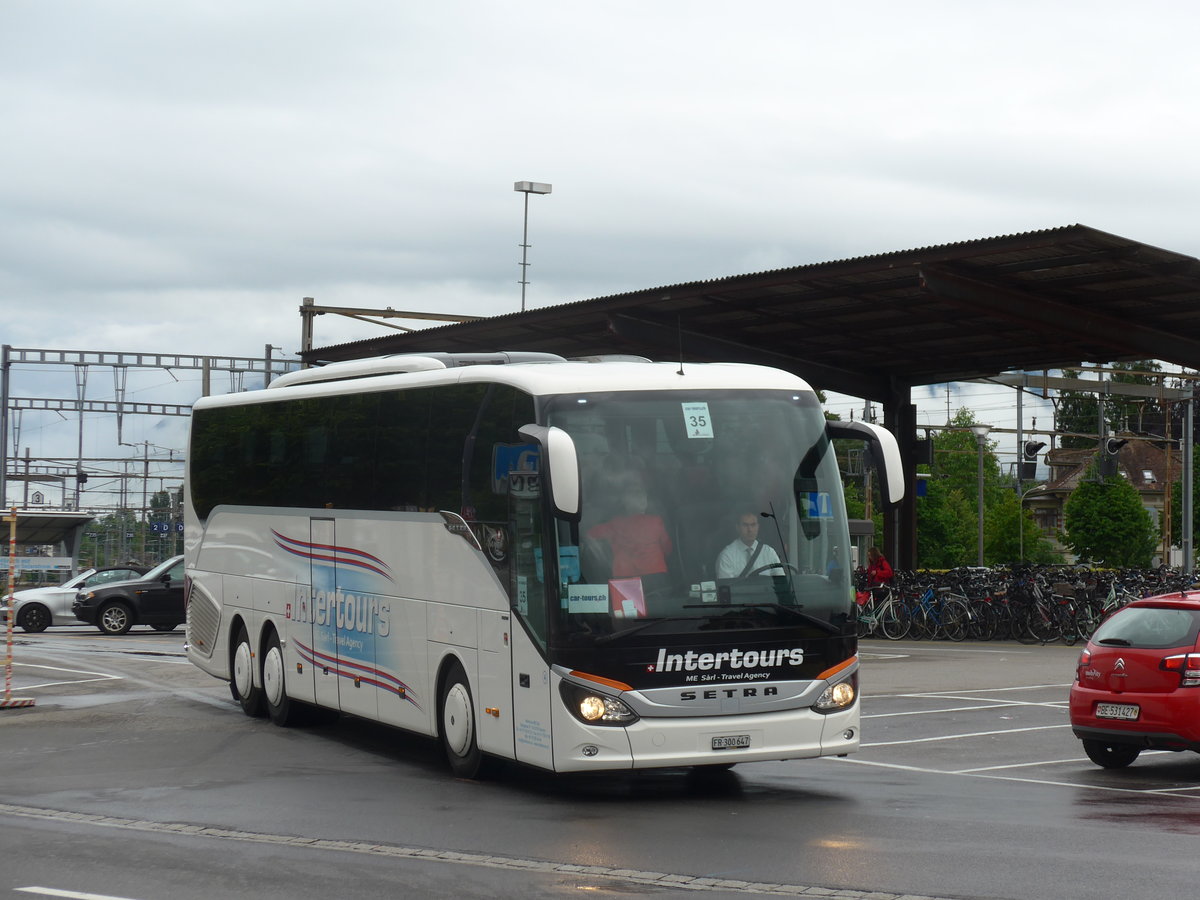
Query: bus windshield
{"type": "Point", "coordinates": [702, 512]}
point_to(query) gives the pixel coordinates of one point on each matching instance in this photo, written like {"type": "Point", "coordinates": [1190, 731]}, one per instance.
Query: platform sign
{"type": "Point", "coordinates": [510, 458]}
{"type": "Point", "coordinates": [37, 563]}
{"type": "Point", "coordinates": [819, 505]}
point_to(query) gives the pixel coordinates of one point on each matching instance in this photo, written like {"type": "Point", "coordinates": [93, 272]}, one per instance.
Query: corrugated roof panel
{"type": "Point", "coordinates": [1037, 299]}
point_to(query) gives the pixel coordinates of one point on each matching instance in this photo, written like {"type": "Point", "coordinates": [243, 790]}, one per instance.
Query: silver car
{"type": "Point", "coordinates": [39, 608]}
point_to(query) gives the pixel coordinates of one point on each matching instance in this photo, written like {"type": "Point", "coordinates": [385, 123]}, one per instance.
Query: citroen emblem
{"type": "Point", "coordinates": [1120, 665]}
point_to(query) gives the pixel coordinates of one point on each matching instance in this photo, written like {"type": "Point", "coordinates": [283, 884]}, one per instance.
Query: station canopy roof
{"type": "Point", "coordinates": [875, 326]}
{"type": "Point", "coordinates": [45, 526]}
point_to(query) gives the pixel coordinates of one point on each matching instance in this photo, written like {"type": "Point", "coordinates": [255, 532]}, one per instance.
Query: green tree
{"type": "Point", "coordinates": [946, 528]}
{"type": "Point", "coordinates": [1011, 534]}
{"type": "Point", "coordinates": [1106, 522]}
{"type": "Point", "coordinates": [111, 540]}
{"type": "Point", "coordinates": [947, 517]}
{"type": "Point", "coordinates": [856, 506]}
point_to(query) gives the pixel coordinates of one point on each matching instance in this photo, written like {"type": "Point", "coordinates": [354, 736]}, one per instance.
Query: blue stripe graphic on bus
{"type": "Point", "coordinates": [339, 556]}
{"type": "Point", "coordinates": [348, 669]}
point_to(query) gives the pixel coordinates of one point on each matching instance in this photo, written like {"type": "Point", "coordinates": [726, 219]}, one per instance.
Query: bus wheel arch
{"type": "Point", "coordinates": [245, 681]}
{"type": "Point", "coordinates": [457, 725]}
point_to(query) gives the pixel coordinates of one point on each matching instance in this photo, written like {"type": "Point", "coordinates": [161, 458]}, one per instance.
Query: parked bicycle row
{"type": "Point", "coordinates": [1028, 604]}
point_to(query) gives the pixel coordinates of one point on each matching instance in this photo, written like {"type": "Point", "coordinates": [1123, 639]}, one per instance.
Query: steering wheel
{"type": "Point", "coordinates": [774, 565]}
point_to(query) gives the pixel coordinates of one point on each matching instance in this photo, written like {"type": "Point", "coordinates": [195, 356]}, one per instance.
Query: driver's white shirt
{"type": "Point", "coordinates": [733, 559]}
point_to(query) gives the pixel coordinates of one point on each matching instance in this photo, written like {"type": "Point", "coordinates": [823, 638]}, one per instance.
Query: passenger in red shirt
{"type": "Point", "coordinates": [879, 571]}
{"type": "Point", "coordinates": [639, 541]}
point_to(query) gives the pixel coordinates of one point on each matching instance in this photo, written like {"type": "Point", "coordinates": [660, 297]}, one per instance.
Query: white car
{"type": "Point", "coordinates": [39, 608]}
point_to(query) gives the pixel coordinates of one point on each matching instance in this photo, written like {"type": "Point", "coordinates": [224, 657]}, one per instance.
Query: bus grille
{"type": "Point", "coordinates": [202, 621]}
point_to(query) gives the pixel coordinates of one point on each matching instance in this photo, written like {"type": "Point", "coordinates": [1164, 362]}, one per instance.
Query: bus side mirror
{"type": "Point", "coordinates": [560, 467]}
{"type": "Point", "coordinates": [884, 450]}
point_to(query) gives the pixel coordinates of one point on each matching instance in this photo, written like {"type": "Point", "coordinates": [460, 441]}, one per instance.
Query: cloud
{"type": "Point", "coordinates": [179, 176]}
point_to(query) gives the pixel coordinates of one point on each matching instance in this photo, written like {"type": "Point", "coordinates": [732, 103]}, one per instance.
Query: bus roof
{"type": "Point", "coordinates": [536, 378]}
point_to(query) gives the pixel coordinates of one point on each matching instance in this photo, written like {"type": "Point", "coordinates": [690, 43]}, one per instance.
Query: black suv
{"type": "Point", "coordinates": [155, 599]}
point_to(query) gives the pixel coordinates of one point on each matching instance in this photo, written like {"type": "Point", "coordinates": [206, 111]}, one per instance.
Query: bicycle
{"type": "Point", "coordinates": [940, 614]}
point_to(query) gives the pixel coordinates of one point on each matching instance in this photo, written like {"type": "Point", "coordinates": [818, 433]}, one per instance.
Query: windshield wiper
{"type": "Point", "coordinates": [1116, 642]}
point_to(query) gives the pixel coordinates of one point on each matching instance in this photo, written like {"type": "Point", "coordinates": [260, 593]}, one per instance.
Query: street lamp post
{"type": "Point", "coordinates": [1021, 521]}
{"type": "Point", "coordinates": [981, 433]}
{"type": "Point", "coordinates": [527, 188]}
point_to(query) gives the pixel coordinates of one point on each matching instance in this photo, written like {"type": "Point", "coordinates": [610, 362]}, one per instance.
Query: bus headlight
{"type": "Point", "coordinates": [594, 708]}
{"type": "Point", "coordinates": [837, 696]}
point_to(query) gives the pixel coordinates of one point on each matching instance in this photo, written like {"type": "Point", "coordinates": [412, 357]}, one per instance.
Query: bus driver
{"type": "Point", "coordinates": [747, 554]}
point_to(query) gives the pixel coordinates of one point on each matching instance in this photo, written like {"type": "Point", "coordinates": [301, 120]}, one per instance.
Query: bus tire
{"type": "Point", "coordinates": [280, 707]}
{"type": "Point", "coordinates": [456, 724]}
{"type": "Point", "coordinates": [241, 676]}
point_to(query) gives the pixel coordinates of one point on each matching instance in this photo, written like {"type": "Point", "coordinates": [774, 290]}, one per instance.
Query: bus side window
{"type": "Point", "coordinates": [401, 436]}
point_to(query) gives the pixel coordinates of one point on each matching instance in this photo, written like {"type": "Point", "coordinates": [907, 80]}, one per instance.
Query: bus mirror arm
{"type": "Point", "coordinates": [884, 450]}
{"type": "Point", "coordinates": [559, 468]}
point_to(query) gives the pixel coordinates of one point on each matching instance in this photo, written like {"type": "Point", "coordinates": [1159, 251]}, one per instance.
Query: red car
{"type": "Point", "coordinates": [1137, 685]}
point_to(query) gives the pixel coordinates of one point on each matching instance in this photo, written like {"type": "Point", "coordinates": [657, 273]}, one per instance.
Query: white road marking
{"type": "Point", "coordinates": [76, 895]}
{"type": "Point", "coordinates": [96, 676]}
{"type": "Point", "coordinates": [1164, 792]}
{"type": "Point", "coordinates": [987, 704]}
{"type": "Point", "coordinates": [996, 704]}
{"type": "Point", "coordinates": [1024, 765]}
{"type": "Point", "coordinates": [956, 694]}
{"type": "Point", "coordinates": [956, 737]}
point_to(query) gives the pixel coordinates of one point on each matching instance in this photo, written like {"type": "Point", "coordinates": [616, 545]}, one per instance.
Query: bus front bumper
{"type": "Point", "coordinates": [711, 740]}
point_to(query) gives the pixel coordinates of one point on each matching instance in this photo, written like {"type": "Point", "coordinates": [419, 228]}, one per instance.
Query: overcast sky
{"type": "Point", "coordinates": [177, 176]}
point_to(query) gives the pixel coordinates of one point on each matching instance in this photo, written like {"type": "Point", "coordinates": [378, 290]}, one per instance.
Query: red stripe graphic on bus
{"type": "Point", "coordinates": [339, 556]}
{"type": "Point", "coordinates": [346, 668]}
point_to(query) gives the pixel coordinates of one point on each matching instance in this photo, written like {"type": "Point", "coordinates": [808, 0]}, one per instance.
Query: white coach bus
{"type": "Point", "coordinates": [578, 565]}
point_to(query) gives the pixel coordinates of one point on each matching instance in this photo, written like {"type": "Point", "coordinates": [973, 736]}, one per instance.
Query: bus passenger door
{"type": "Point", "coordinates": [323, 605]}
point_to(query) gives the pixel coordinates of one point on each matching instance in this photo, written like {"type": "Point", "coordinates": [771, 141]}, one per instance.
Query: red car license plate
{"type": "Point", "coordinates": [1125, 711]}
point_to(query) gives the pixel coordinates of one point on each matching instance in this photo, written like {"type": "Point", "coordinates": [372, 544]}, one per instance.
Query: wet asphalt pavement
{"type": "Point", "coordinates": [135, 775]}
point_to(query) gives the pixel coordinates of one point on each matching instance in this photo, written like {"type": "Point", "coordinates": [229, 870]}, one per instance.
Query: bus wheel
{"type": "Point", "coordinates": [241, 681]}
{"type": "Point", "coordinates": [458, 724]}
{"type": "Point", "coordinates": [282, 710]}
